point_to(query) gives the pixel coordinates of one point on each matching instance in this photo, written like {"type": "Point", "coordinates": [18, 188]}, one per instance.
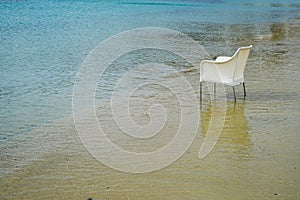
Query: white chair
{"type": "Point", "coordinates": [225, 70]}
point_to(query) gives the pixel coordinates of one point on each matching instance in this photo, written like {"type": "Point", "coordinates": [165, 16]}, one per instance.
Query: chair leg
{"type": "Point", "coordinates": [200, 91]}
{"type": "Point", "coordinates": [215, 90]}
{"type": "Point", "coordinates": [234, 93]}
{"type": "Point", "coordinates": [244, 89]}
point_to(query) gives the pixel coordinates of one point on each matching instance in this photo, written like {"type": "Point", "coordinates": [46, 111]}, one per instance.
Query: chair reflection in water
{"type": "Point", "coordinates": [225, 70]}
{"type": "Point", "coordinates": [232, 135]}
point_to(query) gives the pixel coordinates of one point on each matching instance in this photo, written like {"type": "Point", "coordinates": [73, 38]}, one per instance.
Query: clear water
{"type": "Point", "coordinates": [42, 45]}
{"type": "Point", "coordinates": [44, 42]}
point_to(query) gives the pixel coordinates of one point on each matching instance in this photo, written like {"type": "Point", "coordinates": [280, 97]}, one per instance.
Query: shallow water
{"type": "Point", "coordinates": [42, 46]}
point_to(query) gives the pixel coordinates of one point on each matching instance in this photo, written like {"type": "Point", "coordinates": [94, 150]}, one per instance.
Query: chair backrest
{"type": "Point", "coordinates": [242, 56]}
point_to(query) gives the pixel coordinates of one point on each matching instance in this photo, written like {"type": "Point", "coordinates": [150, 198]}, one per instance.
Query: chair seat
{"type": "Point", "coordinates": [223, 58]}
{"type": "Point", "coordinates": [227, 82]}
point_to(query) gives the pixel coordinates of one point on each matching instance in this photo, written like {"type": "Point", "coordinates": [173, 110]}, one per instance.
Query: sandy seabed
{"type": "Point", "coordinates": [257, 156]}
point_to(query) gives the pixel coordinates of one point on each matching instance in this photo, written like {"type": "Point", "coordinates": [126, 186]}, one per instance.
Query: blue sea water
{"type": "Point", "coordinates": [43, 43]}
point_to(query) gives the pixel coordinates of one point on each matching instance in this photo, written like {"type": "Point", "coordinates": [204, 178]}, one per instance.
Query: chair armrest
{"type": "Point", "coordinates": [217, 71]}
